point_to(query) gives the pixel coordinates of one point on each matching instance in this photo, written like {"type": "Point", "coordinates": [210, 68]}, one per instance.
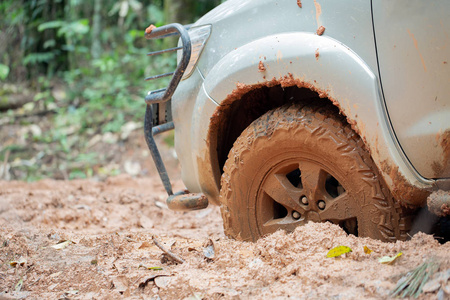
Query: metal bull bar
{"type": "Point", "coordinates": [158, 115]}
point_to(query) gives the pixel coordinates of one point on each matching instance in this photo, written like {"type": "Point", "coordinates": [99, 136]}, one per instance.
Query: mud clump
{"type": "Point", "coordinates": [317, 54]}
{"type": "Point", "coordinates": [299, 3]}
{"type": "Point", "coordinates": [407, 194]}
{"type": "Point", "coordinates": [150, 28]}
{"type": "Point", "coordinates": [320, 30]}
{"type": "Point", "coordinates": [439, 203]}
{"type": "Point", "coordinates": [261, 67]}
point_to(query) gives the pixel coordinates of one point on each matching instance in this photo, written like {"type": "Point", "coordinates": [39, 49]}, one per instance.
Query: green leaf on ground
{"type": "Point", "coordinates": [338, 251]}
{"type": "Point", "coordinates": [389, 259]}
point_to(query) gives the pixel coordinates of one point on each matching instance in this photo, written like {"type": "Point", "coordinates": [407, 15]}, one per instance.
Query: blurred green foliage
{"type": "Point", "coordinates": [85, 60]}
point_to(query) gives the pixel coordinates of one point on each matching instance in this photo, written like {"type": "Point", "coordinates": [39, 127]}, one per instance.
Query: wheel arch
{"type": "Point", "coordinates": [308, 66]}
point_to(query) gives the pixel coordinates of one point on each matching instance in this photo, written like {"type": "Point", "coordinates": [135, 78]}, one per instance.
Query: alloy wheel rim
{"type": "Point", "coordinates": [298, 190]}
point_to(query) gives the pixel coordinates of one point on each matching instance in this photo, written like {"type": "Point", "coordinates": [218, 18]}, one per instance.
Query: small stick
{"type": "Point", "coordinates": [172, 255]}
{"type": "Point", "coordinates": [5, 163]}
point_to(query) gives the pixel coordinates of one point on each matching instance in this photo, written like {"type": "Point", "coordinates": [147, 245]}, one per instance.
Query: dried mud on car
{"type": "Point", "coordinates": [108, 252]}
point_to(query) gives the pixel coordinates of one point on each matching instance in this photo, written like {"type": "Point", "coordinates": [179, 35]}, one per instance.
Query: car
{"type": "Point", "coordinates": [289, 111]}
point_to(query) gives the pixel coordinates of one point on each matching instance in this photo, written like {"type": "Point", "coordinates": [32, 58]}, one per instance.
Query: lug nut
{"type": "Point", "coordinates": [296, 215]}
{"type": "Point", "coordinates": [321, 204]}
{"type": "Point", "coordinates": [304, 200]}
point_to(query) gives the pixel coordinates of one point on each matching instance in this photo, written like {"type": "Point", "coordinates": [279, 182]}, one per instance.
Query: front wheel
{"type": "Point", "coordinates": [294, 165]}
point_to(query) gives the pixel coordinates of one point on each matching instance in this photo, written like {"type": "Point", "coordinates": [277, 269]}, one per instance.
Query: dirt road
{"type": "Point", "coordinates": [111, 254]}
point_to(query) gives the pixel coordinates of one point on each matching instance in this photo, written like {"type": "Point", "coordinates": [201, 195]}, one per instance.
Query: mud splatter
{"type": "Point", "coordinates": [261, 67]}
{"type": "Point", "coordinates": [220, 117]}
{"type": "Point", "coordinates": [441, 167]}
{"type": "Point", "coordinates": [299, 3]}
{"type": "Point", "coordinates": [317, 54]}
{"type": "Point", "coordinates": [150, 28]}
{"type": "Point", "coordinates": [445, 144]}
{"type": "Point", "coordinates": [404, 192]}
{"type": "Point", "coordinates": [417, 48]}
{"type": "Point", "coordinates": [279, 56]}
{"type": "Point", "coordinates": [318, 12]}
{"type": "Point", "coordinates": [437, 168]}
{"type": "Point", "coordinates": [320, 30]}
{"type": "Point", "coordinates": [286, 81]}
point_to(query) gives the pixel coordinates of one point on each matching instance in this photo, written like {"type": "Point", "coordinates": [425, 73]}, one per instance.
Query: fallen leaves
{"type": "Point", "coordinates": [20, 262]}
{"type": "Point", "coordinates": [150, 268]}
{"type": "Point", "coordinates": [62, 244]}
{"type": "Point", "coordinates": [163, 282]}
{"type": "Point", "coordinates": [145, 245]}
{"type": "Point", "coordinates": [208, 250]}
{"type": "Point", "coordinates": [338, 251]}
{"type": "Point", "coordinates": [389, 259]}
{"type": "Point", "coordinates": [367, 250]}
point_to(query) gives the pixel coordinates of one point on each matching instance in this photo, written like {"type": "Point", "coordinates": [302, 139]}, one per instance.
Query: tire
{"type": "Point", "coordinates": [294, 165]}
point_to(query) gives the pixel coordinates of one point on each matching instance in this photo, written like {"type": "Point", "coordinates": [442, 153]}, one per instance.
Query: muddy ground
{"type": "Point", "coordinates": [111, 254]}
{"type": "Point", "coordinates": [111, 225]}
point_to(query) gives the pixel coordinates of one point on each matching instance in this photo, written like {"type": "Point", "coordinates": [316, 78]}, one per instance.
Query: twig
{"type": "Point", "coordinates": [35, 114]}
{"type": "Point", "coordinates": [131, 240]}
{"type": "Point", "coordinates": [170, 254]}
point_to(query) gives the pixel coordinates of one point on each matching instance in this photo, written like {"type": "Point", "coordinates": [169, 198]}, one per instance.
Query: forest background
{"type": "Point", "coordinates": [71, 83]}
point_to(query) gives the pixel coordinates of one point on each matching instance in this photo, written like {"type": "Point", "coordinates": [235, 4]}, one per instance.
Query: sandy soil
{"type": "Point", "coordinates": [111, 225]}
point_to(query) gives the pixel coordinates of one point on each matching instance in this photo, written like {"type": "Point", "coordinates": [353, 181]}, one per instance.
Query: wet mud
{"type": "Point", "coordinates": [112, 255]}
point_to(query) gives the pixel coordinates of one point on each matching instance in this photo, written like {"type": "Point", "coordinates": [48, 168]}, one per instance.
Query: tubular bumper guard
{"type": "Point", "coordinates": [158, 115]}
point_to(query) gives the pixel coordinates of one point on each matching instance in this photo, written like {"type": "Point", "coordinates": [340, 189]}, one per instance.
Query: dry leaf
{"type": "Point", "coordinates": [388, 259]}
{"type": "Point", "coordinates": [195, 246]}
{"type": "Point", "coordinates": [72, 292]}
{"type": "Point", "coordinates": [338, 251]}
{"type": "Point", "coordinates": [62, 245]}
{"type": "Point", "coordinates": [208, 251]}
{"type": "Point", "coordinates": [21, 262]}
{"type": "Point", "coordinates": [162, 281]}
{"type": "Point", "coordinates": [145, 245]}
{"type": "Point", "coordinates": [147, 279]}
{"type": "Point", "coordinates": [367, 250]}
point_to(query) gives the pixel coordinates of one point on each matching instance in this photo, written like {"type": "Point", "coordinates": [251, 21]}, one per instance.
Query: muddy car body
{"type": "Point", "coordinates": [376, 69]}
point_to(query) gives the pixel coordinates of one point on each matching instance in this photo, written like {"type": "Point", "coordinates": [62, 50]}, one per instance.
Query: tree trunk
{"type": "Point", "coordinates": [96, 47]}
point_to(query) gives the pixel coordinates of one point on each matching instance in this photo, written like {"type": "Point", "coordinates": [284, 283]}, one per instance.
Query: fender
{"type": "Point", "coordinates": [329, 68]}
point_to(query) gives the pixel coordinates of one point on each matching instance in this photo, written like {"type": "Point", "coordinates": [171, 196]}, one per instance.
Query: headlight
{"type": "Point", "coordinates": [199, 36]}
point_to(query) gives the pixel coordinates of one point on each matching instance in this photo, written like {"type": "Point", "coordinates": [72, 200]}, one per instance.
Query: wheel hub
{"type": "Point", "coordinates": [298, 191]}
